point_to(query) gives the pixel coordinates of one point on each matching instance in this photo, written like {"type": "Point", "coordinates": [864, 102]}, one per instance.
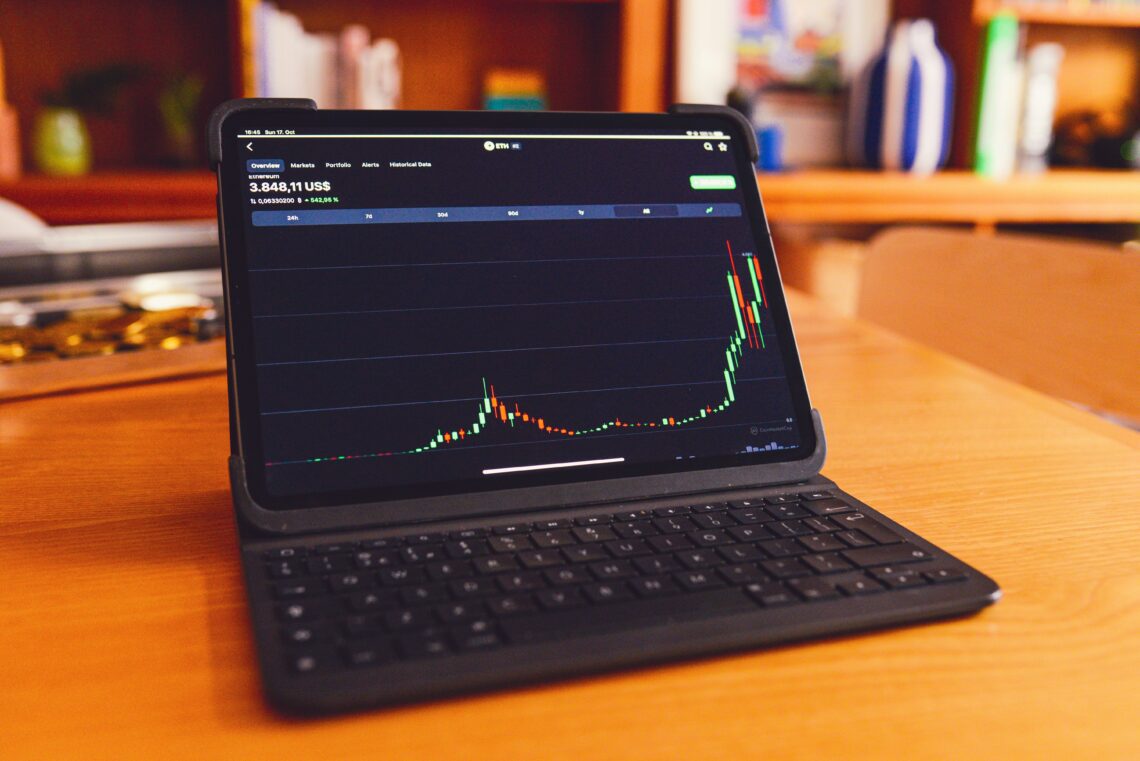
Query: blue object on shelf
{"type": "Point", "coordinates": [902, 104]}
{"type": "Point", "coordinates": [770, 141]}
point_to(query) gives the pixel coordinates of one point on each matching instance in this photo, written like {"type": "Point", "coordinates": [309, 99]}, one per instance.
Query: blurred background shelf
{"type": "Point", "coordinates": [115, 196]}
{"type": "Point", "coordinates": [1036, 12]}
{"type": "Point", "coordinates": [957, 196]}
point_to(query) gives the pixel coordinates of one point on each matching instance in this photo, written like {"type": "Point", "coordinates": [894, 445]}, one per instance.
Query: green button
{"type": "Point", "coordinates": [712, 182]}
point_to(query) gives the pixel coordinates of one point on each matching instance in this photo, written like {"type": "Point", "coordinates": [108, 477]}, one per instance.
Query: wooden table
{"type": "Point", "coordinates": [124, 633]}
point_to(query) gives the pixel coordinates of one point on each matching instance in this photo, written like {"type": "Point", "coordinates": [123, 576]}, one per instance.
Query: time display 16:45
{"type": "Point", "coordinates": [293, 186]}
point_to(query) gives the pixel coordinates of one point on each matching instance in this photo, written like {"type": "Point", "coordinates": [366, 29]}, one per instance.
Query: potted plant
{"type": "Point", "coordinates": [60, 140]}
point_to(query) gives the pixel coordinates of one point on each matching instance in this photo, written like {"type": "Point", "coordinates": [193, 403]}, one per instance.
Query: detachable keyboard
{"type": "Point", "coordinates": [371, 604]}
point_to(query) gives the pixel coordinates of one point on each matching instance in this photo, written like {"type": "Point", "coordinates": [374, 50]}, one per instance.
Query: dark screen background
{"type": "Point", "coordinates": [373, 341]}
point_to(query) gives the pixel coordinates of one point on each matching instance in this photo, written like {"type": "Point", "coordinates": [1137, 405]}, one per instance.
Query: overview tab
{"type": "Point", "coordinates": [264, 165]}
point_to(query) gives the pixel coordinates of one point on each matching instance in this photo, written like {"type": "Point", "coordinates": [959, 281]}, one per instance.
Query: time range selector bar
{"type": "Point", "coordinates": [305, 217]}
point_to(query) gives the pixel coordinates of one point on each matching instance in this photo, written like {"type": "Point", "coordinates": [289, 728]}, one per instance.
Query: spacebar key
{"type": "Point", "coordinates": [627, 615]}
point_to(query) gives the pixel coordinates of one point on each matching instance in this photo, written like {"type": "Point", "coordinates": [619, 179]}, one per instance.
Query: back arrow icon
{"type": "Point", "coordinates": [249, 146]}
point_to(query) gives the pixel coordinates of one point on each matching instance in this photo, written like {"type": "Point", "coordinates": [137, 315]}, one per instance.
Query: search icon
{"type": "Point", "coordinates": [708, 146]}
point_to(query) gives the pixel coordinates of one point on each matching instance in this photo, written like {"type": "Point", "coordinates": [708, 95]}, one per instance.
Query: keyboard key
{"type": "Point", "coordinates": [283, 553]}
{"type": "Point", "coordinates": [293, 589]}
{"type": "Point", "coordinates": [459, 612]}
{"type": "Point", "coordinates": [814, 495]}
{"type": "Point", "coordinates": [298, 635]}
{"type": "Point", "coordinates": [787, 511]}
{"type": "Point", "coordinates": [899, 578]}
{"type": "Point", "coordinates": [694, 580]}
{"type": "Point", "coordinates": [858, 585]}
{"type": "Point", "coordinates": [709, 538]}
{"type": "Point", "coordinates": [540, 558]}
{"type": "Point", "coordinates": [467, 588]}
{"type": "Point", "coordinates": [364, 655]}
{"type": "Point", "coordinates": [593, 533]}
{"type": "Point", "coordinates": [325, 564]}
{"type": "Point", "coordinates": [855, 538]}
{"type": "Point", "coordinates": [555, 599]}
{"type": "Point", "coordinates": [741, 573]}
{"type": "Point", "coordinates": [627, 516]}
{"type": "Point", "coordinates": [422, 594]}
{"type": "Point", "coordinates": [813, 589]}
{"type": "Point", "coordinates": [284, 569]}
{"type": "Point", "coordinates": [466, 548]}
{"type": "Point", "coordinates": [553, 524]}
{"type": "Point", "coordinates": [592, 520]}
{"type": "Point", "coordinates": [403, 620]}
{"type": "Point", "coordinates": [709, 507]}
{"type": "Point", "coordinates": [821, 543]}
{"type": "Point", "coordinates": [510, 606]}
{"type": "Point", "coordinates": [669, 543]}
{"type": "Point", "coordinates": [369, 602]}
{"type": "Point", "coordinates": [770, 595]}
{"type": "Point", "coordinates": [422, 553]}
{"type": "Point", "coordinates": [653, 611]}
{"type": "Point", "coordinates": [782, 499]}
{"type": "Point", "coordinates": [674, 525]}
{"type": "Point", "coordinates": [467, 640]}
{"type": "Point", "coordinates": [448, 569]}
{"type": "Point", "coordinates": [750, 515]}
{"type": "Point", "coordinates": [635, 530]}
{"type": "Point", "coordinates": [423, 646]}
{"type": "Point", "coordinates": [547, 539]}
{"type": "Point", "coordinates": [750, 533]}
{"type": "Point", "coordinates": [746, 504]}
{"type": "Point", "coordinates": [568, 575]}
{"type": "Point", "coordinates": [391, 577]}
{"type": "Point", "coordinates": [886, 555]}
{"type": "Point", "coordinates": [495, 564]}
{"type": "Point", "coordinates": [944, 575]}
{"type": "Point", "coordinates": [656, 564]}
{"type": "Point", "coordinates": [669, 512]}
{"type": "Point", "coordinates": [297, 611]}
{"type": "Point", "coordinates": [784, 569]}
{"type": "Point", "coordinates": [612, 569]}
{"type": "Point", "coordinates": [468, 533]}
{"type": "Point", "coordinates": [627, 548]}
{"type": "Point", "coordinates": [828, 506]}
{"type": "Point", "coordinates": [583, 553]}
{"type": "Point", "coordinates": [348, 582]}
{"type": "Point", "coordinates": [782, 548]}
{"type": "Point", "coordinates": [653, 586]}
{"type": "Point", "coordinates": [514, 528]}
{"type": "Point", "coordinates": [432, 538]}
{"type": "Point", "coordinates": [510, 543]}
{"type": "Point", "coordinates": [740, 553]}
{"type": "Point", "coordinates": [820, 525]}
{"type": "Point", "coordinates": [789, 528]}
{"type": "Point", "coordinates": [360, 627]}
{"type": "Point", "coordinates": [827, 562]}
{"type": "Point", "coordinates": [693, 559]}
{"type": "Point", "coordinates": [876, 531]}
{"type": "Point", "coordinates": [303, 664]}
{"type": "Point", "coordinates": [607, 591]}
{"type": "Point", "coordinates": [382, 544]}
{"type": "Point", "coordinates": [339, 548]}
{"type": "Point", "coordinates": [520, 582]}
{"type": "Point", "coordinates": [714, 520]}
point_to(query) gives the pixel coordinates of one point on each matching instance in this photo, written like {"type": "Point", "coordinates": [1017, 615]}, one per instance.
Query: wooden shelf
{"type": "Point", "coordinates": [833, 195]}
{"type": "Point", "coordinates": [1078, 196]}
{"type": "Point", "coordinates": [115, 196]}
{"type": "Point", "coordinates": [1041, 13]}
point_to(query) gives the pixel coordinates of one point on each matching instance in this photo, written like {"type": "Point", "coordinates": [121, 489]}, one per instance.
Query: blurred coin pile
{"type": "Point", "coordinates": [161, 311]}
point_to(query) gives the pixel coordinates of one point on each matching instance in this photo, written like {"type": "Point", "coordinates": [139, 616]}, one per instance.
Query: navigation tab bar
{"type": "Point", "coordinates": [420, 215]}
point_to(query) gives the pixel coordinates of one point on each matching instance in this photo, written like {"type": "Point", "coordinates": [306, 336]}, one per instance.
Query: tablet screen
{"type": "Point", "coordinates": [478, 303]}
